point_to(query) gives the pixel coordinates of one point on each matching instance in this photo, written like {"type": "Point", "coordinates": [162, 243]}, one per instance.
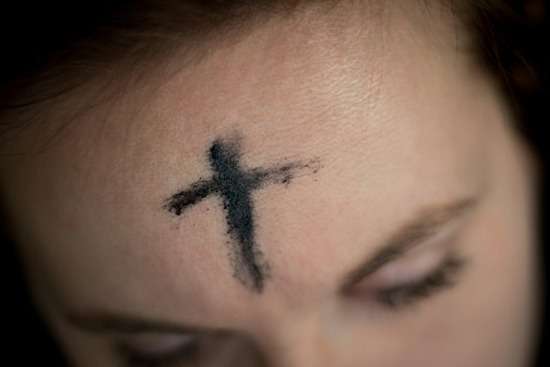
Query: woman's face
{"type": "Point", "coordinates": [337, 188]}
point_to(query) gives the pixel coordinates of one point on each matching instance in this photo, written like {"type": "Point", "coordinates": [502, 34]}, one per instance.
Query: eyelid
{"type": "Point", "coordinates": [408, 269]}
{"type": "Point", "coordinates": [149, 344]}
{"type": "Point", "coordinates": [420, 261]}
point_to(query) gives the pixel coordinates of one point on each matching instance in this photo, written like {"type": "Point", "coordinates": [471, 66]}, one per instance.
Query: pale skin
{"type": "Point", "coordinates": [405, 125]}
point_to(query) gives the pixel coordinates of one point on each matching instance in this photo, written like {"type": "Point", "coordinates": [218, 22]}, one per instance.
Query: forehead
{"type": "Point", "coordinates": [387, 113]}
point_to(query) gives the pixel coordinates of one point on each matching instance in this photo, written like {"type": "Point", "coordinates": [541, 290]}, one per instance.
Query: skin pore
{"type": "Point", "coordinates": [404, 239]}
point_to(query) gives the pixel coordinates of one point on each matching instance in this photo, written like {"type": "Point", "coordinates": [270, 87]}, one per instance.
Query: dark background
{"type": "Point", "coordinates": [26, 339]}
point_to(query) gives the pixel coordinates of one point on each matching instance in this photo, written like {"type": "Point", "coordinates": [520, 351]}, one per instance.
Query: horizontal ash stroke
{"type": "Point", "coordinates": [252, 179]}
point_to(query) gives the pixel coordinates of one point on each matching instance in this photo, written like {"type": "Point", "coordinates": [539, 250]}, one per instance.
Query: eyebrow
{"type": "Point", "coordinates": [423, 226]}
{"type": "Point", "coordinates": [105, 322]}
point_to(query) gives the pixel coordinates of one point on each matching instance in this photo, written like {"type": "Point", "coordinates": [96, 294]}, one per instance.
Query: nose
{"type": "Point", "coordinates": [304, 344]}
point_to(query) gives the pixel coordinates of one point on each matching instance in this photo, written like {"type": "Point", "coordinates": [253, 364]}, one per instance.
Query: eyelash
{"type": "Point", "coordinates": [444, 277]}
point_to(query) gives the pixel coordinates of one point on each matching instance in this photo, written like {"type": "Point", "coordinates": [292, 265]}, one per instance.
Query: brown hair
{"type": "Point", "coordinates": [510, 44]}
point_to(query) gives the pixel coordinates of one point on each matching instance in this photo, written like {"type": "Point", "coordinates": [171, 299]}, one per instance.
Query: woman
{"type": "Point", "coordinates": [290, 183]}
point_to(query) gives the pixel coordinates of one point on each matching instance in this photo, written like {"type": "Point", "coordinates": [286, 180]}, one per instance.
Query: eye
{"type": "Point", "coordinates": [218, 348]}
{"type": "Point", "coordinates": [405, 294]}
{"type": "Point", "coordinates": [159, 351]}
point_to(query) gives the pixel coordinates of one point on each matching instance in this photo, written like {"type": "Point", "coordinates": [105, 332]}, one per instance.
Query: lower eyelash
{"type": "Point", "coordinates": [444, 277]}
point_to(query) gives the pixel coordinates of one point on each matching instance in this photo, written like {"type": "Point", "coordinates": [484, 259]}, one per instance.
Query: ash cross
{"type": "Point", "coordinates": [235, 185]}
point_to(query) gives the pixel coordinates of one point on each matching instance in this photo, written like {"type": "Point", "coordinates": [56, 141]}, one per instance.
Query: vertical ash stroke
{"type": "Point", "coordinates": [235, 185]}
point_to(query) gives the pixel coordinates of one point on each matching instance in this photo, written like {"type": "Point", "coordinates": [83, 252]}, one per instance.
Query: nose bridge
{"type": "Point", "coordinates": [301, 342]}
